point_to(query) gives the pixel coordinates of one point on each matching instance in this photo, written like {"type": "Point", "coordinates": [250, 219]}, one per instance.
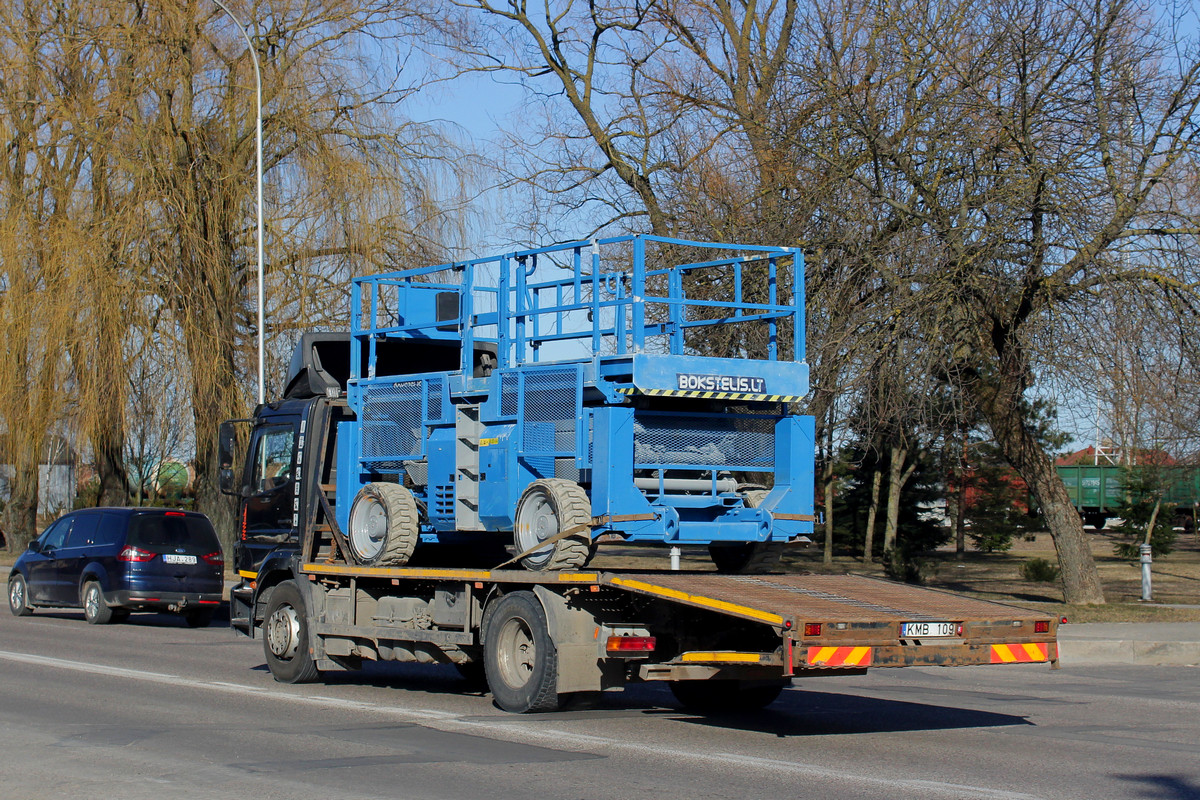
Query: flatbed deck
{"type": "Point", "coordinates": [823, 621]}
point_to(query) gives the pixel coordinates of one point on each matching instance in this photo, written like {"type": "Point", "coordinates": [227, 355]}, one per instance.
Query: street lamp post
{"type": "Point", "coordinates": [259, 176]}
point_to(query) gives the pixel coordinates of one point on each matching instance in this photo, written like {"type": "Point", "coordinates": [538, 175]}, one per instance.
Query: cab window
{"type": "Point", "coordinates": [273, 458]}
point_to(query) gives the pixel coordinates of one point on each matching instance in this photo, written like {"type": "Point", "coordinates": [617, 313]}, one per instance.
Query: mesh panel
{"type": "Point", "coordinates": [716, 441]}
{"type": "Point", "coordinates": [434, 411]}
{"type": "Point", "coordinates": [391, 422]}
{"type": "Point", "coordinates": [508, 394]}
{"type": "Point", "coordinates": [549, 417]}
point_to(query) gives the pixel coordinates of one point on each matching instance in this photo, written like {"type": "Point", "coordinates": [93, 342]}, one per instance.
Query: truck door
{"type": "Point", "coordinates": [270, 514]}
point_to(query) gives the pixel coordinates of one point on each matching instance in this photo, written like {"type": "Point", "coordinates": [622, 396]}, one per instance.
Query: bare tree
{"type": "Point", "coordinates": [1028, 140]}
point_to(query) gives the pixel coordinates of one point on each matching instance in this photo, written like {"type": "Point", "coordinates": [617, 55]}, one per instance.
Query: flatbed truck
{"type": "Point", "coordinates": [426, 492]}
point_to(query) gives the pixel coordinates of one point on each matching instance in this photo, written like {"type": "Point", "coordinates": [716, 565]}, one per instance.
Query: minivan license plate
{"type": "Point", "coordinates": [918, 630]}
{"type": "Point", "coordinates": [173, 558]}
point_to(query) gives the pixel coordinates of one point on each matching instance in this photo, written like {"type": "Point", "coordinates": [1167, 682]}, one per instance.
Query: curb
{"type": "Point", "coordinates": [1149, 644]}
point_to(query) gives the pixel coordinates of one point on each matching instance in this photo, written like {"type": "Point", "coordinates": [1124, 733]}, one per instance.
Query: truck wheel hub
{"type": "Point", "coordinates": [283, 632]}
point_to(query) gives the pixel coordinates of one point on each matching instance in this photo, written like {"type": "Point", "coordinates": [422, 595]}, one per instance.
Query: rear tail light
{"type": "Point", "coordinates": [175, 514]}
{"type": "Point", "coordinates": [215, 558]}
{"type": "Point", "coordinates": [244, 509]}
{"type": "Point", "coordinates": [631, 644]}
{"type": "Point", "coordinates": [812, 629]}
{"type": "Point", "coordinates": [1041, 626]}
{"type": "Point", "coordinates": [132, 553]}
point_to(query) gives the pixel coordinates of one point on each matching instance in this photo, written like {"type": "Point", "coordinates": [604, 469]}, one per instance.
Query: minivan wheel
{"type": "Point", "coordinates": [94, 609]}
{"type": "Point", "coordinates": [18, 597]}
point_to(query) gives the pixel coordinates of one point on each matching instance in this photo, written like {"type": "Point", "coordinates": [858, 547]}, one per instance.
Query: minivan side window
{"type": "Point", "coordinates": [56, 534]}
{"type": "Point", "coordinates": [83, 532]}
{"type": "Point", "coordinates": [111, 530]}
{"type": "Point", "coordinates": [273, 458]}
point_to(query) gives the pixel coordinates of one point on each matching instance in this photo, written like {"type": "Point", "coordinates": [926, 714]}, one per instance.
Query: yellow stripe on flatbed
{"type": "Point", "coordinates": [578, 577]}
{"type": "Point", "coordinates": [439, 573]}
{"type": "Point", "coordinates": [397, 572]}
{"type": "Point", "coordinates": [722, 658]}
{"type": "Point", "coordinates": [699, 600]}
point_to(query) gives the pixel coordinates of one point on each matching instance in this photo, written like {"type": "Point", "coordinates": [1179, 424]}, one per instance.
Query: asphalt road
{"type": "Point", "coordinates": [151, 709]}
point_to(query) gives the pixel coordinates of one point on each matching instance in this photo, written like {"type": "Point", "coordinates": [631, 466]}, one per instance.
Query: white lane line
{"type": "Point", "coordinates": [505, 729]}
{"type": "Point", "coordinates": [223, 686]}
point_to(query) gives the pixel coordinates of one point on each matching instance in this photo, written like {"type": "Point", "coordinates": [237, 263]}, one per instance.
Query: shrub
{"type": "Point", "coordinates": [1039, 570]}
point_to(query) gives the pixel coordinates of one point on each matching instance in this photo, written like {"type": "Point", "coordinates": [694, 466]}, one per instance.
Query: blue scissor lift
{"type": "Point", "coordinates": [635, 388]}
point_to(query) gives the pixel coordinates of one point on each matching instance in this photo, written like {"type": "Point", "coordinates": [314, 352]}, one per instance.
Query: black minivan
{"type": "Point", "coordinates": [111, 561]}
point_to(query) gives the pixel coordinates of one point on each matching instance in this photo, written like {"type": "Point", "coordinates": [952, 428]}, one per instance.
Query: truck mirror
{"type": "Point", "coordinates": [225, 481]}
{"type": "Point", "coordinates": [226, 443]}
{"type": "Point", "coordinates": [232, 437]}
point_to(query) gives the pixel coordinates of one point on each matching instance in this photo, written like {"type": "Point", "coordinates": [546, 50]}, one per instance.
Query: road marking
{"type": "Point", "coordinates": [223, 686]}
{"type": "Point", "coordinates": [527, 729]}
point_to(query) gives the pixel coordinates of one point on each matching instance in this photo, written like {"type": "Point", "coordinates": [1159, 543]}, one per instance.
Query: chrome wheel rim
{"type": "Point", "coordinates": [283, 632]}
{"type": "Point", "coordinates": [16, 595]}
{"type": "Point", "coordinates": [91, 601]}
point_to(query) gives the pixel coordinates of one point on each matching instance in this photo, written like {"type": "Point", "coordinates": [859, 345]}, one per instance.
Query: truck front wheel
{"type": "Point", "coordinates": [384, 525]}
{"type": "Point", "coordinates": [520, 659]}
{"type": "Point", "coordinates": [285, 636]}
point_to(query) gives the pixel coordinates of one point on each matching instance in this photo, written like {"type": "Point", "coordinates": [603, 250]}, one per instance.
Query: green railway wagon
{"type": "Point", "coordinates": [1098, 490]}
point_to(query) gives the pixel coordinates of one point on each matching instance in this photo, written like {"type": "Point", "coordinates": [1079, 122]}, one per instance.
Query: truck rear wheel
{"type": "Point", "coordinates": [547, 508]}
{"type": "Point", "coordinates": [726, 695]}
{"type": "Point", "coordinates": [520, 659]}
{"type": "Point", "coordinates": [384, 525]}
{"type": "Point", "coordinates": [285, 636]}
{"type": "Point", "coordinates": [750, 557]}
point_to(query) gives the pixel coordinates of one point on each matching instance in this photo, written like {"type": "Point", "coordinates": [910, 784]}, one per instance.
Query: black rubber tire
{"type": "Point", "coordinates": [749, 558]}
{"type": "Point", "coordinates": [520, 659]}
{"type": "Point", "coordinates": [396, 525]}
{"type": "Point", "coordinates": [285, 636]}
{"type": "Point", "coordinates": [199, 618]}
{"type": "Point", "coordinates": [95, 611]}
{"type": "Point", "coordinates": [547, 507]}
{"type": "Point", "coordinates": [725, 695]}
{"type": "Point", "coordinates": [18, 596]}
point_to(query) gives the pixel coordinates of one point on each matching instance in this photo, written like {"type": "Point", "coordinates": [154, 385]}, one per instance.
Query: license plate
{"type": "Point", "coordinates": [919, 630]}
{"type": "Point", "coordinates": [173, 558]}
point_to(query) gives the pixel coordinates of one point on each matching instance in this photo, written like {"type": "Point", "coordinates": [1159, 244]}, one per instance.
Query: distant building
{"type": "Point", "coordinates": [57, 475]}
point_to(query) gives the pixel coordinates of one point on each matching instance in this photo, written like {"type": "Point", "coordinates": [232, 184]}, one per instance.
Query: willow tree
{"type": "Point", "coordinates": [351, 186]}
{"type": "Point", "coordinates": [42, 246]}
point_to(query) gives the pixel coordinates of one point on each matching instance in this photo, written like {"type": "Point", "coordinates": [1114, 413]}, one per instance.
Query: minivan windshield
{"type": "Point", "coordinates": [173, 533]}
